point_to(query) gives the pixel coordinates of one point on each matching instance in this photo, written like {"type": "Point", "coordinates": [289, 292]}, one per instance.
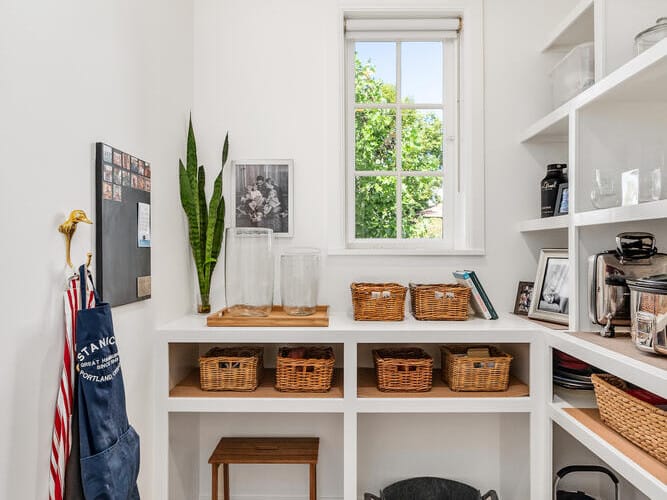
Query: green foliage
{"type": "Point", "coordinates": [205, 221]}
{"type": "Point", "coordinates": [375, 149]}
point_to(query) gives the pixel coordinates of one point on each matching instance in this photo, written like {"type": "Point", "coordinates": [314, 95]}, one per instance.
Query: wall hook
{"type": "Point", "coordinates": [68, 228]}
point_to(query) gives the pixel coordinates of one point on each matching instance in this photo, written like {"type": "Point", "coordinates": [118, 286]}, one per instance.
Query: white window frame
{"type": "Point", "coordinates": [469, 237]}
{"type": "Point", "coordinates": [448, 105]}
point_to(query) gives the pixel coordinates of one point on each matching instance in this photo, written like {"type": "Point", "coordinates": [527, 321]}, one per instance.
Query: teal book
{"type": "Point", "coordinates": [483, 294]}
{"type": "Point", "coordinates": [478, 304]}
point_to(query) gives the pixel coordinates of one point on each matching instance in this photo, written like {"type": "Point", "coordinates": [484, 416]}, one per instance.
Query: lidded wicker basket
{"type": "Point", "coordinates": [231, 368]}
{"type": "Point", "coordinates": [444, 302]}
{"type": "Point", "coordinates": [403, 369]}
{"type": "Point", "coordinates": [378, 301]}
{"type": "Point", "coordinates": [639, 422]}
{"type": "Point", "coordinates": [472, 373]}
{"type": "Point", "coordinates": [312, 372]}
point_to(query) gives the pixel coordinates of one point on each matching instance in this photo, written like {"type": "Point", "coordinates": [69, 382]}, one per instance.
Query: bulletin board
{"type": "Point", "coordinates": [122, 221]}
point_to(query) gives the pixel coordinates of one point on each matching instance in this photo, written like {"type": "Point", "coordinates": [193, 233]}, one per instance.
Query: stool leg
{"type": "Point", "coordinates": [214, 481]}
{"type": "Point", "coordinates": [225, 478]}
{"type": "Point", "coordinates": [313, 481]}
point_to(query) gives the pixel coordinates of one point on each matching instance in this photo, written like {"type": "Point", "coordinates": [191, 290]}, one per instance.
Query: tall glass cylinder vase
{"type": "Point", "coordinates": [299, 280]}
{"type": "Point", "coordinates": [249, 271]}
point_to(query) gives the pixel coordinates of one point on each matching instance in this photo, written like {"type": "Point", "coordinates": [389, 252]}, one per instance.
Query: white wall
{"type": "Point", "coordinates": [269, 73]}
{"type": "Point", "coordinates": [72, 73]}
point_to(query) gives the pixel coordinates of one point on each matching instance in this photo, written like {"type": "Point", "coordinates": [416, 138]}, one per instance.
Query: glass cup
{"type": "Point", "coordinates": [605, 192]}
{"type": "Point", "coordinates": [299, 280]}
{"type": "Point", "coordinates": [249, 271]}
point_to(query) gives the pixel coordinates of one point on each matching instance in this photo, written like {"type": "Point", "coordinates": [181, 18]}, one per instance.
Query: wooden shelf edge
{"type": "Point", "coordinates": [189, 388]}
{"type": "Point", "coordinates": [654, 472]}
{"type": "Point", "coordinates": [367, 389]}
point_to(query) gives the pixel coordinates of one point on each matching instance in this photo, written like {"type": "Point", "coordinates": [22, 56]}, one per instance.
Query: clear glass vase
{"type": "Point", "coordinates": [249, 271]}
{"type": "Point", "coordinates": [300, 280]}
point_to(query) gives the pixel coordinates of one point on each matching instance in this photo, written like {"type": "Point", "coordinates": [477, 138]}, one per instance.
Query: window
{"type": "Point", "coordinates": [404, 190]}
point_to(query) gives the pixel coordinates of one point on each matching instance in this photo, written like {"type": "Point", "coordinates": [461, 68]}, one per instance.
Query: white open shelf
{"type": "Point", "coordinates": [643, 78]}
{"type": "Point", "coordinates": [342, 328]}
{"type": "Point", "coordinates": [631, 213]}
{"type": "Point", "coordinates": [614, 355]}
{"type": "Point", "coordinates": [544, 224]}
{"type": "Point", "coordinates": [551, 128]}
{"type": "Point", "coordinates": [577, 27]}
{"type": "Point", "coordinates": [600, 443]}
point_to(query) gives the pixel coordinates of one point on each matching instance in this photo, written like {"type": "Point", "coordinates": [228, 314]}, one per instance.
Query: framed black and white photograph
{"type": "Point", "coordinates": [562, 200]}
{"type": "Point", "coordinates": [551, 294]}
{"type": "Point", "coordinates": [524, 296]}
{"type": "Point", "coordinates": [263, 195]}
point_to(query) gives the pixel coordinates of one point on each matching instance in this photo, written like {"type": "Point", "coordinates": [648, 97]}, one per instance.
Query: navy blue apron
{"type": "Point", "coordinates": [109, 445]}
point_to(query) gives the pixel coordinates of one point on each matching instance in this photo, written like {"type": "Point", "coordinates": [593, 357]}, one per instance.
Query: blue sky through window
{"type": "Point", "coordinates": [421, 67]}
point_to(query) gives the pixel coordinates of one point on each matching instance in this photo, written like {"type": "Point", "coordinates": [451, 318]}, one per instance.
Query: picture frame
{"type": "Point", "coordinates": [551, 291]}
{"type": "Point", "coordinates": [524, 296]}
{"type": "Point", "coordinates": [562, 206]}
{"type": "Point", "coordinates": [263, 195]}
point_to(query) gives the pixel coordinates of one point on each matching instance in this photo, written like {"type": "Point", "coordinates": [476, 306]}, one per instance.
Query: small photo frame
{"type": "Point", "coordinates": [107, 191]}
{"type": "Point", "coordinates": [263, 195]}
{"type": "Point", "coordinates": [117, 193]}
{"type": "Point", "coordinates": [108, 173]}
{"type": "Point", "coordinates": [126, 161]}
{"type": "Point", "coordinates": [551, 294]}
{"type": "Point", "coordinates": [117, 159]}
{"type": "Point", "coordinates": [524, 296]}
{"type": "Point", "coordinates": [562, 206]}
{"type": "Point", "coordinates": [118, 176]}
{"type": "Point", "coordinates": [106, 154]}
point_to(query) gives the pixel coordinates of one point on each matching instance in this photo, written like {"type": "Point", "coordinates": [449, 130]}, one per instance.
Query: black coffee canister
{"type": "Point", "coordinates": [549, 187]}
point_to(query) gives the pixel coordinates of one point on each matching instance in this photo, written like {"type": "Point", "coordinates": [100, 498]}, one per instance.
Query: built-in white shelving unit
{"type": "Point", "coordinates": [612, 125]}
{"type": "Point", "coordinates": [354, 392]}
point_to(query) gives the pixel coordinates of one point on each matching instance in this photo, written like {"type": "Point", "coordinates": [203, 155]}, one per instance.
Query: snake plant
{"type": "Point", "coordinates": [206, 222]}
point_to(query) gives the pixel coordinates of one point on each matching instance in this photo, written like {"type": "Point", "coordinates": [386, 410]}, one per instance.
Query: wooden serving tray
{"type": "Point", "coordinates": [278, 317]}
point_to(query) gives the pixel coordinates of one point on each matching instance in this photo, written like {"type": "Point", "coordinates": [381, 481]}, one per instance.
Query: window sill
{"type": "Point", "coordinates": [404, 251]}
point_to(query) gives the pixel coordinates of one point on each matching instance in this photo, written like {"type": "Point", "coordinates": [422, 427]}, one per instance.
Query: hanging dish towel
{"type": "Point", "coordinates": [109, 445]}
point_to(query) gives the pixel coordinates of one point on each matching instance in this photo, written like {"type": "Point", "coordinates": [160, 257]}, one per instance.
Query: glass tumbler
{"type": "Point", "coordinates": [299, 280]}
{"type": "Point", "coordinates": [249, 271]}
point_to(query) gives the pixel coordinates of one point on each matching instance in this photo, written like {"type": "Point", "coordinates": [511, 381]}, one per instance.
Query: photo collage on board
{"type": "Point", "coordinates": [122, 171]}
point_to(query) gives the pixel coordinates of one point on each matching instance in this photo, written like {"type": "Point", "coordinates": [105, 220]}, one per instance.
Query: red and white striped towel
{"type": "Point", "coordinates": [61, 442]}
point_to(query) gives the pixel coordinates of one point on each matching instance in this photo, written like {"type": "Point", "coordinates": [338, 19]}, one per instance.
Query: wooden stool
{"type": "Point", "coordinates": [263, 451]}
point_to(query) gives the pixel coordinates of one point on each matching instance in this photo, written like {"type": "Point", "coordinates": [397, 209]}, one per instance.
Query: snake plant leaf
{"type": "Point", "coordinates": [203, 209]}
{"type": "Point", "coordinates": [219, 229]}
{"type": "Point", "coordinates": [213, 219]}
{"type": "Point", "coordinates": [187, 200]}
{"type": "Point", "coordinates": [225, 150]}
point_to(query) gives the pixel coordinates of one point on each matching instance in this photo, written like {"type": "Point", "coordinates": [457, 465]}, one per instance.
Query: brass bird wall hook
{"type": "Point", "coordinates": [68, 228]}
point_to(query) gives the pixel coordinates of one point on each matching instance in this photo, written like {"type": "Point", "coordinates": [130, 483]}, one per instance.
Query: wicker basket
{"type": "Point", "coordinates": [466, 373]}
{"type": "Point", "coordinates": [440, 302]}
{"type": "Point", "coordinates": [403, 369]}
{"type": "Point", "coordinates": [311, 373]}
{"type": "Point", "coordinates": [231, 369]}
{"type": "Point", "coordinates": [639, 422]}
{"type": "Point", "coordinates": [378, 301]}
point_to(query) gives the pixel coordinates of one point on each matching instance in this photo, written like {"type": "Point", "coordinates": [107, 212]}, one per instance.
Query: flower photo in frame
{"type": "Point", "coordinates": [263, 195]}
{"type": "Point", "coordinates": [551, 294]}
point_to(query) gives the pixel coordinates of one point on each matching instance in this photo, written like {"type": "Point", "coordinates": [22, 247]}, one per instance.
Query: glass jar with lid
{"type": "Point", "coordinates": [650, 36]}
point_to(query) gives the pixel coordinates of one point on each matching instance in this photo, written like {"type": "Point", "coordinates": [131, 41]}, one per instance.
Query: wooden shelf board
{"type": "Point", "coordinates": [590, 418]}
{"type": "Point", "coordinates": [544, 224]}
{"type": "Point", "coordinates": [623, 345]}
{"type": "Point", "coordinates": [189, 388]}
{"type": "Point", "coordinates": [575, 28]}
{"type": "Point", "coordinates": [367, 389]}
